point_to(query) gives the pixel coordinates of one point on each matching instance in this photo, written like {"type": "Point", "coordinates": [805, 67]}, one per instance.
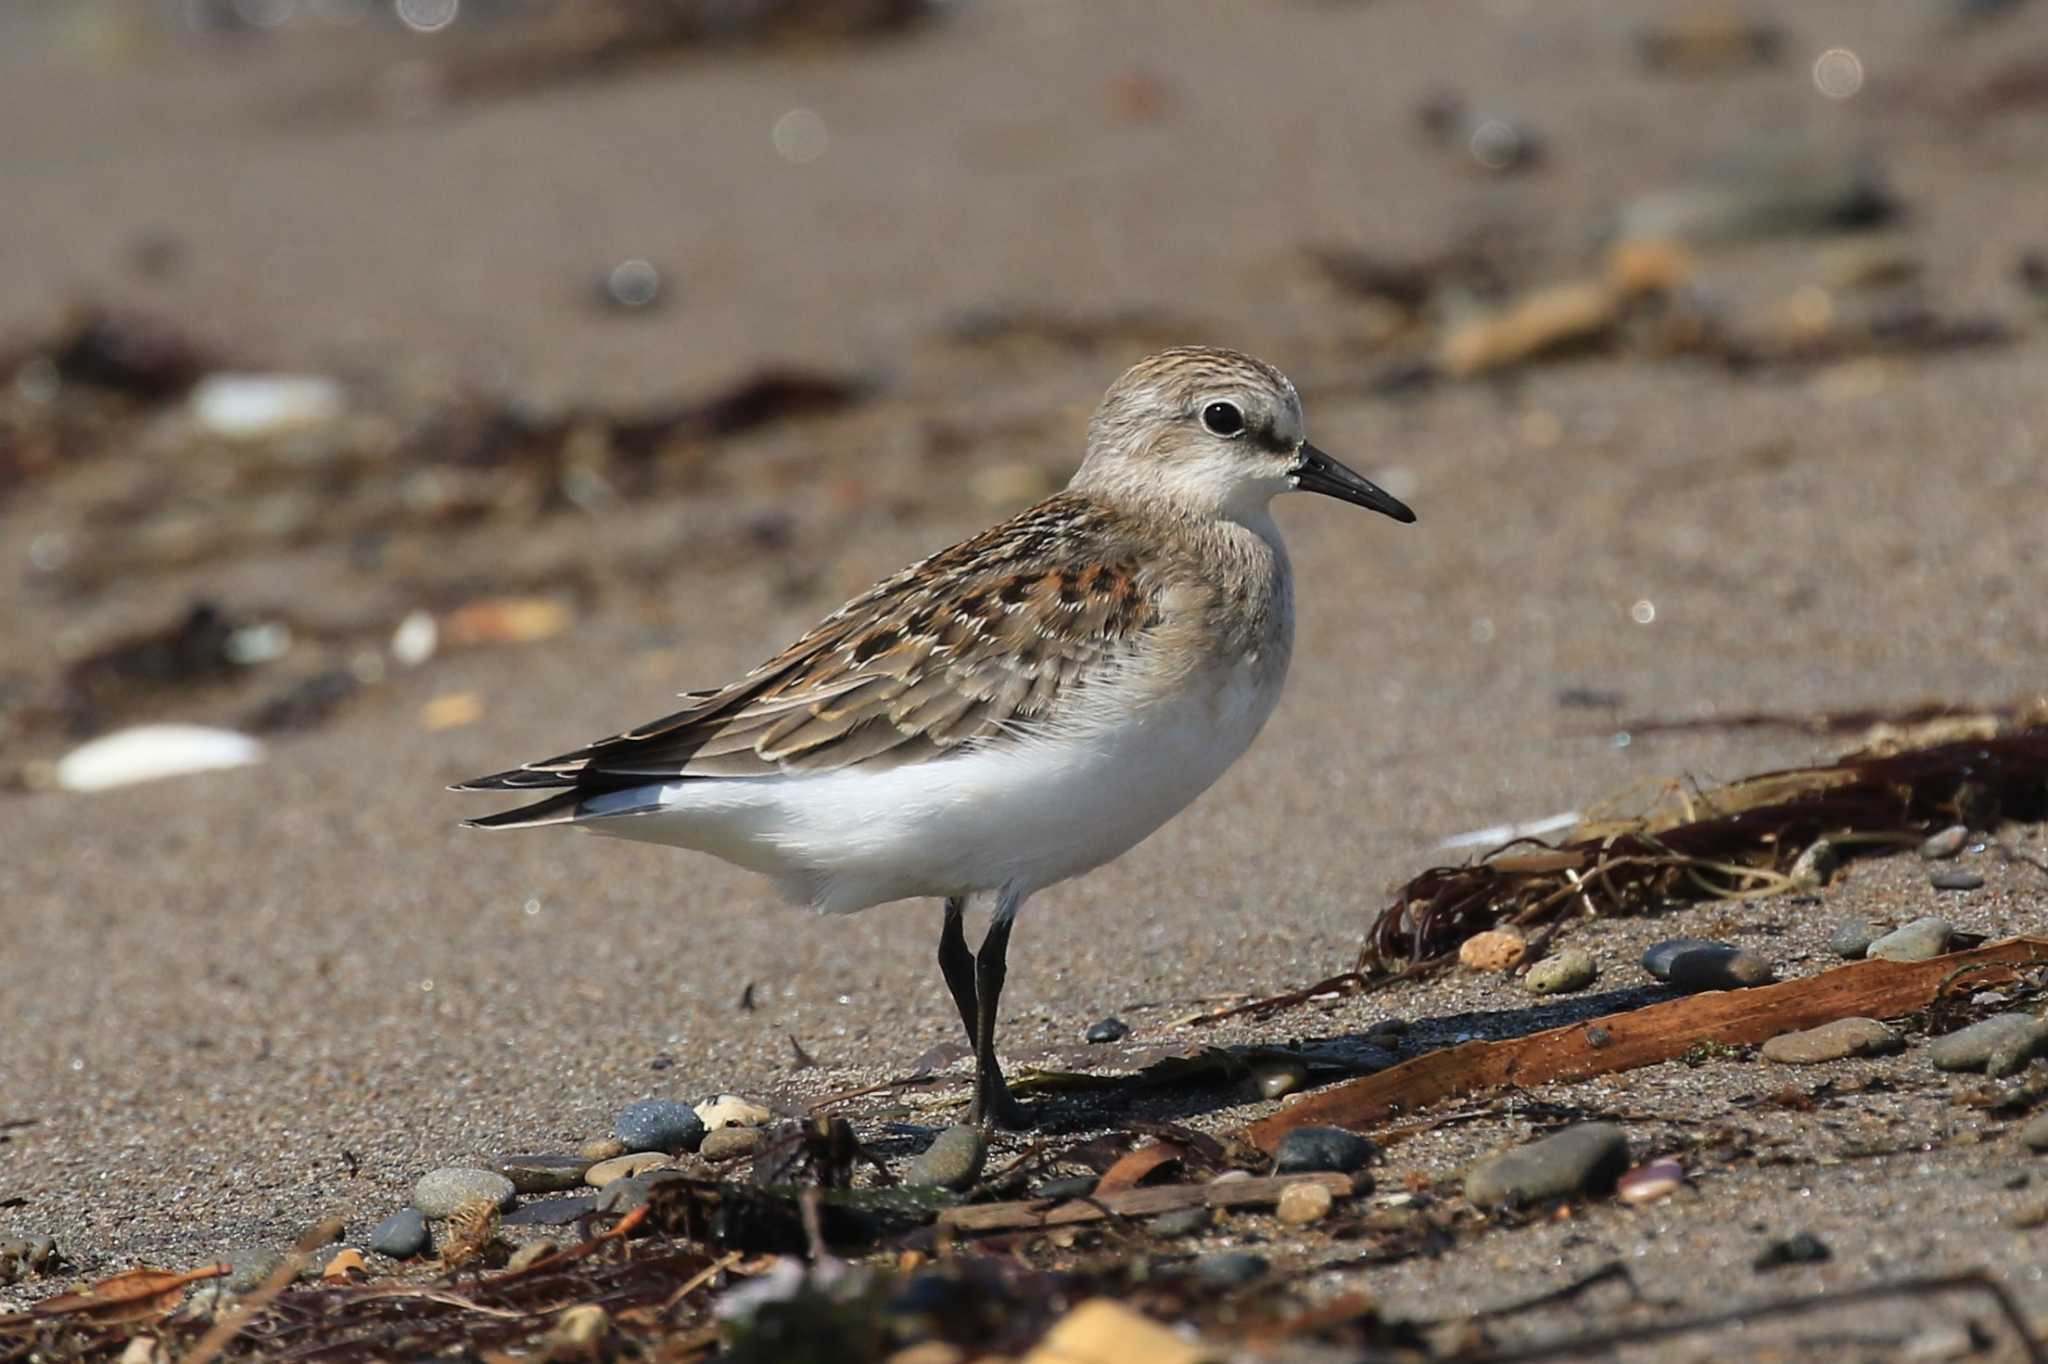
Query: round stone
{"type": "Point", "coordinates": [250, 1266]}
{"type": "Point", "coordinates": [659, 1125]}
{"type": "Point", "coordinates": [1181, 1222]}
{"type": "Point", "coordinates": [1586, 1158]}
{"type": "Point", "coordinates": [730, 1110]}
{"type": "Point", "coordinates": [1720, 968]}
{"type": "Point", "coordinates": [1955, 878]}
{"type": "Point", "coordinates": [1658, 956]}
{"type": "Point", "coordinates": [402, 1235]}
{"type": "Point", "coordinates": [1110, 1029]}
{"type": "Point", "coordinates": [601, 1148]}
{"type": "Point", "coordinates": [532, 1174]}
{"type": "Point", "coordinates": [730, 1143]}
{"type": "Point", "coordinates": [608, 1172]}
{"type": "Point", "coordinates": [1229, 1269]}
{"type": "Point", "coordinates": [2000, 1045]}
{"type": "Point", "coordinates": [1301, 1204]}
{"type": "Point", "coordinates": [1497, 949]}
{"type": "Point", "coordinates": [1562, 973]}
{"type": "Point", "coordinates": [440, 1192]}
{"type": "Point", "coordinates": [1843, 1038]}
{"type": "Point", "coordinates": [2035, 1133]}
{"type": "Point", "coordinates": [952, 1161]}
{"type": "Point", "coordinates": [1852, 938]}
{"type": "Point", "coordinates": [1920, 940]}
{"type": "Point", "coordinates": [1650, 1182]}
{"type": "Point", "coordinates": [1276, 1076]}
{"type": "Point", "coordinates": [1946, 844]}
{"type": "Point", "coordinates": [1322, 1148]}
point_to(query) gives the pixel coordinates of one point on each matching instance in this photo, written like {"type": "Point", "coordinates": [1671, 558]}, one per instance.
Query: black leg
{"type": "Point", "coordinates": [992, 1100]}
{"type": "Point", "coordinates": [958, 964]}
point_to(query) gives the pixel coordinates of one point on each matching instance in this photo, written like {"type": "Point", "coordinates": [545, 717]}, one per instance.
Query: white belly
{"type": "Point", "coordinates": [1021, 816]}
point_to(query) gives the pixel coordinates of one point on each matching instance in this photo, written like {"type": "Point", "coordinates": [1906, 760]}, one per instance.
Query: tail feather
{"type": "Point", "coordinates": [556, 809]}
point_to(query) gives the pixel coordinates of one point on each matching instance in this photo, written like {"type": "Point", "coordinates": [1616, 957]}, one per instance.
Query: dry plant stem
{"type": "Point", "coordinates": [1599, 1343]}
{"type": "Point", "coordinates": [1647, 1036]}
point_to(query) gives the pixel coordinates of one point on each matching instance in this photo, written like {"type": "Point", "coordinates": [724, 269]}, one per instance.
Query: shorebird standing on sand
{"type": "Point", "coordinates": [1010, 712]}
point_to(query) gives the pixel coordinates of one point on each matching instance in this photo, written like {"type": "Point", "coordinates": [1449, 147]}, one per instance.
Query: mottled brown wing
{"type": "Point", "coordinates": [976, 643]}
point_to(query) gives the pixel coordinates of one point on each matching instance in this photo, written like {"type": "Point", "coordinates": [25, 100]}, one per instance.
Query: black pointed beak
{"type": "Point", "coordinates": [1316, 472]}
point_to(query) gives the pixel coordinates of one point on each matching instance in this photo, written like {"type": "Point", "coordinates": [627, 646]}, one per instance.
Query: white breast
{"type": "Point", "coordinates": [1023, 815]}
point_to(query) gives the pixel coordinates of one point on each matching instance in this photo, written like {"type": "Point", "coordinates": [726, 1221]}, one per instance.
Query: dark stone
{"type": "Point", "coordinates": [532, 1174]}
{"type": "Point", "coordinates": [1181, 1222]}
{"type": "Point", "coordinates": [1228, 1269]}
{"type": "Point", "coordinates": [402, 1235]}
{"type": "Point", "coordinates": [1802, 1249]}
{"type": "Point", "coordinates": [1853, 937]}
{"type": "Point", "coordinates": [659, 1125]}
{"type": "Point", "coordinates": [1322, 1148]}
{"type": "Point", "coordinates": [1110, 1029]}
{"type": "Point", "coordinates": [1954, 878]}
{"type": "Point", "coordinates": [1658, 956]}
{"type": "Point", "coordinates": [1719, 968]}
{"type": "Point", "coordinates": [1073, 1186]}
{"type": "Point", "coordinates": [551, 1212]}
{"type": "Point", "coordinates": [1586, 1158]}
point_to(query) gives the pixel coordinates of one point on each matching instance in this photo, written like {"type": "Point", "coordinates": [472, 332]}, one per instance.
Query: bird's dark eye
{"type": "Point", "coordinates": [1223, 419]}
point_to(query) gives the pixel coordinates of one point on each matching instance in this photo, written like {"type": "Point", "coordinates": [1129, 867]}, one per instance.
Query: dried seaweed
{"type": "Point", "coordinates": [1737, 841]}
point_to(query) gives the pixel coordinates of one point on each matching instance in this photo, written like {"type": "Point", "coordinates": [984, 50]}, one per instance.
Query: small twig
{"type": "Point", "coordinates": [704, 1276]}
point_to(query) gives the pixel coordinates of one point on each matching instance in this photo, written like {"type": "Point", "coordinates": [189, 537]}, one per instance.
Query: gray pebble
{"type": "Point", "coordinates": [1852, 938]}
{"type": "Point", "coordinates": [624, 1195]}
{"type": "Point", "coordinates": [1658, 956]}
{"type": "Point", "coordinates": [1073, 1186]}
{"type": "Point", "coordinates": [1946, 844]}
{"type": "Point", "coordinates": [551, 1212]}
{"type": "Point", "coordinates": [1586, 1158]}
{"type": "Point", "coordinates": [730, 1143]}
{"type": "Point", "coordinates": [1720, 968]}
{"type": "Point", "coordinates": [249, 1266]}
{"type": "Point", "coordinates": [402, 1235]}
{"type": "Point", "coordinates": [952, 1161]}
{"type": "Point", "coordinates": [440, 1192]}
{"type": "Point", "coordinates": [659, 1125]}
{"type": "Point", "coordinates": [1228, 1269]}
{"type": "Point", "coordinates": [1561, 973]}
{"type": "Point", "coordinates": [2000, 1045]}
{"type": "Point", "coordinates": [2035, 1133]}
{"type": "Point", "coordinates": [1834, 1041]}
{"type": "Point", "coordinates": [1954, 878]}
{"type": "Point", "coordinates": [1181, 1222]}
{"type": "Point", "coordinates": [1109, 1030]}
{"type": "Point", "coordinates": [542, 1173]}
{"type": "Point", "coordinates": [1322, 1148]}
{"type": "Point", "coordinates": [1917, 941]}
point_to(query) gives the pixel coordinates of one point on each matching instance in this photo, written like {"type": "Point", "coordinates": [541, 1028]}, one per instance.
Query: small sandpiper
{"type": "Point", "coordinates": [1010, 712]}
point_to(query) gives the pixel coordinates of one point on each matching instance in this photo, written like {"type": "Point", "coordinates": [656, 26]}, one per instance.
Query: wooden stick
{"type": "Point", "coordinates": [1650, 1035]}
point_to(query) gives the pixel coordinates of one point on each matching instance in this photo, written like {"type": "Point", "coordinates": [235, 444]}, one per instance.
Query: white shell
{"type": "Point", "coordinates": [148, 752]}
{"type": "Point", "coordinates": [252, 406]}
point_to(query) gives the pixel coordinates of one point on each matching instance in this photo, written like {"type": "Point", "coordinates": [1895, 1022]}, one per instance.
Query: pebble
{"type": "Point", "coordinates": [1917, 941]}
{"type": "Point", "coordinates": [624, 1195]}
{"type": "Point", "coordinates": [2000, 1045]}
{"type": "Point", "coordinates": [1811, 869]}
{"type": "Point", "coordinates": [402, 1235]}
{"type": "Point", "coordinates": [1720, 968]}
{"type": "Point", "coordinates": [1834, 1041]}
{"type": "Point", "coordinates": [659, 1125]}
{"type": "Point", "coordinates": [1585, 1158]}
{"type": "Point", "coordinates": [1073, 1186]}
{"type": "Point", "coordinates": [1498, 949]}
{"type": "Point", "coordinates": [1111, 1029]}
{"type": "Point", "coordinates": [1181, 1222]}
{"type": "Point", "coordinates": [730, 1143]}
{"type": "Point", "coordinates": [1301, 1204]}
{"type": "Point", "coordinates": [527, 1255]}
{"type": "Point", "coordinates": [1804, 1248]}
{"type": "Point", "coordinates": [1946, 844]}
{"type": "Point", "coordinates": [1658, 956]}
{"type": "Point", "coordinates": [608, 1172]}
{"type": "Point", "coordinates": [1649, 1182]}
{"type": "Point", "coordinates": [440, 1192]}
{"type": "Point", "coordinates": [249, 1266]}
{"type": "Point", "coordinates": [730, 1110]}
{"type": "Point", "coordinates": [263, 406]}
{"type": "Point", "coordinates": [1852, 938]}
{"type": "Point", "coordinates": [601, 1148]}
{"type": "Point", "coordinates": [952, 1161]}
{"type": "Point", "coordinates": [2035, 1133]}
{"type": "Point", "coordinates": [1954, 878]}
{"type": "Point", "coordinates": [1274, 1077]}
{"type": "Point", "coordinates": [542, 1173]}
{"type": "Point", "coordinates": [551, 1212]}
{"type": "Point", "coordinates": [1562, 973]}
{"type": "Point", "coordinates": [1322, 1148]}
{"type": "Point", "coordinates": [1228, 1269]}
